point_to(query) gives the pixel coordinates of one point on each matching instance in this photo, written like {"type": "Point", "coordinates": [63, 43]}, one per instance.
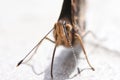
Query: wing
{"type": "Point", "coordinates": [74, 12]}
{"type": "Point", "coordinates": [66, 11]}
{"type": "Point", "coordinates": [78, 13]}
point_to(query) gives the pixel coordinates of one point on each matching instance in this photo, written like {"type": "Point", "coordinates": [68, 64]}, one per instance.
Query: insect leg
{"type": "Point", "coordinates": [79, 71]}
{"type": "Point", "coordinates": [81, 43]}
{"type": "Point", "coordinates": [93, 35]}
{"type": "Point", "coordinates": [53, 61]}
{"type": "Point", "coordinates": [34, 48]}
{"type": "Point", "coordinates": [50, 40]}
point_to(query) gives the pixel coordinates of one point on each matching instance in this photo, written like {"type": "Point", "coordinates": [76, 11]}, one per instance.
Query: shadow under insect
{"type": "Point", "coordinates": [64, 65]}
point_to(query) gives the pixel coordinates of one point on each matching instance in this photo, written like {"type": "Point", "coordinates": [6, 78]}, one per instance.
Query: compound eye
{"type": "Point", "coordinates": [68, 27]}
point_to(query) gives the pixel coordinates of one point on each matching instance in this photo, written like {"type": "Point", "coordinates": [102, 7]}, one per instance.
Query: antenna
{"type": "Point", "coordinates": [36, 47]}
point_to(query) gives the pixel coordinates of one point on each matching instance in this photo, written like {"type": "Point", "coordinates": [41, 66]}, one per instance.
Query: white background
{"type": "Point", "coordinates": [24, 22]}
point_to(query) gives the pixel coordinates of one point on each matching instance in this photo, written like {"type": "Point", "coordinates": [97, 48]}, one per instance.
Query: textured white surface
{"type": "Point", "coordinates": [24, 22]}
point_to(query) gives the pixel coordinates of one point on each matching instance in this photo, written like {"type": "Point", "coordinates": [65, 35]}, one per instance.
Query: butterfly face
{"type": "Point", "coordinates": [63, 33]}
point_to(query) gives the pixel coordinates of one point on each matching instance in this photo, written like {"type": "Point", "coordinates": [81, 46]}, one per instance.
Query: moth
{"type": "Point", "coordinates": [69, 30]}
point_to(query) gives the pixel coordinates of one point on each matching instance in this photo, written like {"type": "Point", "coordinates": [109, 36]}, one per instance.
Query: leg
{"type": "Point", "coordinates": [93, 35]}
{"type": "Point", "coordinates": [81, 43]}
{"type": "Point", "coordinates": [79, 71]}
{"type": "Point", "coordinates": [34, 48]}
{"type": "Point", "coordinates": [39, 44]}
{"type": "Point", "coordinates": [53, 61]}
{"type": "Point", "coordinates": [50, 40]}
{"type": "Point", "coordinates": [89, 32]}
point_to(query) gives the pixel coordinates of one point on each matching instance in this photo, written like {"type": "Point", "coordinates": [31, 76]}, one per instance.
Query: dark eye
{"type": "Point", "coordinates": [67, 29]}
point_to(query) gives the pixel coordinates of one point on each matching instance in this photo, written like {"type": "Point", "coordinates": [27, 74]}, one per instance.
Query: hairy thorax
{"type": "Point", "coordinates": [64, 34]}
